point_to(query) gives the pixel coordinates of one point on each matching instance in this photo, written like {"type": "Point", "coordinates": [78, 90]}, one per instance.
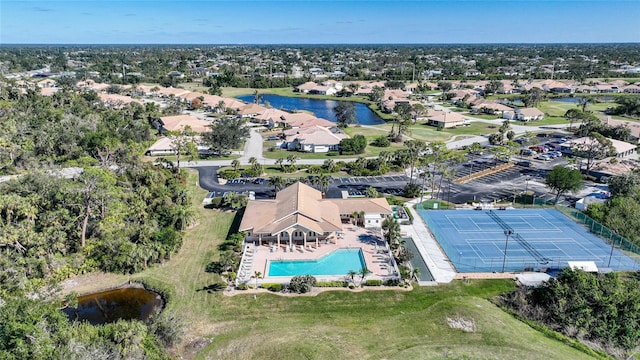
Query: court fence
{"type": "Point", "coordinates": [607, 235]}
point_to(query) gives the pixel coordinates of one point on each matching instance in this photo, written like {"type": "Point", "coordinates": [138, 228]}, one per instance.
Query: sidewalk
{"type": "Point", "coordinates": [436, 260]}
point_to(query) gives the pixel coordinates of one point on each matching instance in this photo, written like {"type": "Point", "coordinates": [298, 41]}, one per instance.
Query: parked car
{"type": "Point", "coordinates": [544, 157]}
{"type": "Point", "coordinates": [271, 138]}
{"type": "Point", "coordinates": [525, 163]}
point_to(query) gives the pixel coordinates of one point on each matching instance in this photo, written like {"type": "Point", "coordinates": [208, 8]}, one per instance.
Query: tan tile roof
{"type": "Point", "coordinates": [530, 112]}
{"type": "Point", "coordinates": [296, 205]}
{"type": "Point", "coordinates": [178, 122]}
{"type": "Point", "coordinates": [374, 206]}
{"type": "Point", "coordinates": [249, 109]}
{"type": "Point", "coordinates": [446, 117]}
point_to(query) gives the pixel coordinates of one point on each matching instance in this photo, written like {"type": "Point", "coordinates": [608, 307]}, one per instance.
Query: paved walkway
{"type": "Point", "coordinates": [436, 260]}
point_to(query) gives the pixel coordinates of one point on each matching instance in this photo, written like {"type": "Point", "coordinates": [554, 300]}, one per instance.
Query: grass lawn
{"type": "Point", "coordinates": [430, 133]}
{"type": "Point", "coordinates": [337, 324]}
{"type": "Point", "coordinates": [548, 120]}
{"type": "Point", "coordinates": [558, 108]}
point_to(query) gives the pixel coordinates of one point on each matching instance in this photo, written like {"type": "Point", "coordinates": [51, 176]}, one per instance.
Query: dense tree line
{"type": "Point", "coordinates": [620, 214]}
{"type": "Point", "coordinates": [33, 330]}
{"type": "Point", "coordinates": [252, 66]}
{"type": "Point", "coordinates": [603, 309]}
{"type": "Point", "coordinates": [81, 201]}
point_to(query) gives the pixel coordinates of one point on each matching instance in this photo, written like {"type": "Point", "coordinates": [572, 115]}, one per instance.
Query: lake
{"type": "Point", "coordinates": [112, 305]}
{"type": "Point", "coordinates": [321, 108]}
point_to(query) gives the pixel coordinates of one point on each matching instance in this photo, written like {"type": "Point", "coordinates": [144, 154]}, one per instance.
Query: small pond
{"type": "Point", "coordinates": [320, 108]}
{"type": "Point", "coordinates": [565, 99]}
{"type": "Point", "coordinates": [112, 305]}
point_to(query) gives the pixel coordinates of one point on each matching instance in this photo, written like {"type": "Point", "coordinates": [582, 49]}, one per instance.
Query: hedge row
{"type": "Point", "coordinates": [275, 287]}
{"type": "Point", "coordinates": [373, 282]}
{"type": "Point", "coordinates": [332, 284]}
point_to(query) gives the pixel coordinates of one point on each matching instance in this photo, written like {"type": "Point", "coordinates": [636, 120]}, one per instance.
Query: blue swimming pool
{"type": "Point", "coordinates": [338, 262]}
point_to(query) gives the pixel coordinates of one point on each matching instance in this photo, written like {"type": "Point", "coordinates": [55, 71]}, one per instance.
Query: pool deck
{"type": "Point", "coordinates": [436, 260]}
{"type": "Point", "coordinates": [377, 257]}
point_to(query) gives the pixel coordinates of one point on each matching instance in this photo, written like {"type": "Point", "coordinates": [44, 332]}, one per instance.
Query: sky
{"type": "Point", "coordinates": [318, 22]}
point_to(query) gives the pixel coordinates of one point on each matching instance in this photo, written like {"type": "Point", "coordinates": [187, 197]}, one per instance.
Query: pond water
{"type": "Point", "coordinates": [565, 99]}
{"type": "Point", "coordinates": [113, 305]}
{"type": "Point", "coordinates": [321, 108]}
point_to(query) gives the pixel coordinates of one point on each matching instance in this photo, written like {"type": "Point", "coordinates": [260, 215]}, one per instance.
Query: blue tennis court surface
{"type": "Point", "coordinates": [474, 240]}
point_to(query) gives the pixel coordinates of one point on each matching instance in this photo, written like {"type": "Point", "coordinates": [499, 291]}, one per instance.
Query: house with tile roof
{"type": "Point", "coordinates": [315, 139]}
{"type": "Point", "coordinates": [445, 119]}
{"type": "Point", "coordinates": [299, 214]}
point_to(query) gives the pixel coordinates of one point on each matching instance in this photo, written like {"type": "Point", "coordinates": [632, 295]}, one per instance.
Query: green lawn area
{"type": "Point", "coordinates": [558, 108]}
{"type": "Point", "coordinates": [388, 324]}
{"type": "Point", "coordinates": [548, 120]}
{"type": "Point", "coordinates": [430, 133]}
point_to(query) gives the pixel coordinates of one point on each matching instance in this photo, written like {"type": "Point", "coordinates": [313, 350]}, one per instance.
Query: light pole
{"type": "Point", "coordinates": [526, 189]}
{"type": "Point", "coordinates": [507, 233]}
{"type": "Point", "coordinates": [613, 245]}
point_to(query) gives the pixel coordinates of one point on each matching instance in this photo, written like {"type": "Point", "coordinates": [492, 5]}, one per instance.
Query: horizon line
{"type": "Point", "coordinates": [316, 44]}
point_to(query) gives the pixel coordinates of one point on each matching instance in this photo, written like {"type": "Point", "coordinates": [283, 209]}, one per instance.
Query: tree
{"type": "Point", "coordinates": [257, 275]}
{"type": "Point", "coordinates": [415, 149]}
{"type": "Point", "coordinates": [474, 150]}
{"type": "Point", "coordinates": [445, 86]}
{"type": "Point", "coordinates": [372, 193]}
{"type": "Point", "coordinates": [625, 184]}
{"type": "Point", "coordinates": [494, 86]}
{"type": "Point", "coordinates": [277, 182]}
{"type": "Point", "coordinates": [184, 144]}
{"type": "Point", "coordinates": [391, 230]}
{"type": "Point", "coordinates": [354, 145]}
{"type": "Point", "coordinates": [572, 115]}
{"type": "Point", "coordinates": [226, 134]}
{"type": "Point", "coordinates": [533, 97]}
{"type": "Point", "coordinates": [364, 272]}
{"type": "Point", "coordinates": [562, 180]}
{"type": "Point", "coordinates": [235, 164]}
{"type": "Point", "coordinates": [593, 147]}
{"type": "Point", "coordinates": [93, 189]}
{"type": "Point", "coordinates": [351, 275]}
{"type": "Point", "coordinates": [583, 102]}
{"type": "Point", "coordinates": [345, 113]}
{"type": "Point", "coordinates": [376, 95]}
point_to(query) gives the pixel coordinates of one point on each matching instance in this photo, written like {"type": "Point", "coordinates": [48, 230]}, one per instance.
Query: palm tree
{"type": "Point", "coordinates": [221, 106]}
{"type": "Point", "coordinates": [277, 182]}
{"type": "Point", "coordinates": [329, 165]}
{"type": "Point", "coordinates": [391, 229]}
{"type": "Point", "coordinates": [363, 273]}
{"type": "Point", "coordinates": [253, 160]}
{"type": "Point", "coordinates": [257, 275]}
{"type": "Point", "coordinates": [474, 150]}
{"type": "Point", "coordinates": [292, 159]}
{"type": "Point", "coordinates": [280, 162]}
{"type": "Point", "coordinates": [323, 181]}
{"type": "Point", "coordinates": [351, 274]}
{"type": "Point", "coordinates": [235, 164]}
{"type": "Point", "coordinates": [184, 216]}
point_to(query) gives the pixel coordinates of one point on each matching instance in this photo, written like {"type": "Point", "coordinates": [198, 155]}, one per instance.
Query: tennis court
{"type": "Point", "coordinates": [474, 240]}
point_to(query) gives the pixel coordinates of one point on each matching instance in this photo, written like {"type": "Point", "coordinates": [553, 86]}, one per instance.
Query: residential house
{"type": "Point", "coordinates": [633, 126]}
{"type": "Point", "coordinates": [445, 120]}
{"type": "Point", "coordinates": [179, 122]}
{"type": "Point", "coordinates": [315, 139]}
{"type": "Point", "coordinates": [523, 114]}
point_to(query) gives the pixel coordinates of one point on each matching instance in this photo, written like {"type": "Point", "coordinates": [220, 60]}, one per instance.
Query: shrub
{"type": "Point", "coordinates": [406, 210]}
{"type": "Point", "coordinates": [332, 284]}
{"type": "Point", "coordinates": [242, 287]}
{"type": "Point", "coordinates": [168, 327]}
{"type": "Point", "coordinates": [302, 284]}
{"type": "Point", "coordinates": [333, 153]}
{"type": "Point", "coordinates": [393, 282]}
{"type": "Point", "coordinates": [373, 282]}
{"type": "Point", "coordinates": [275, 287]}
{"type": "Point", "coordinates": [381, 141]}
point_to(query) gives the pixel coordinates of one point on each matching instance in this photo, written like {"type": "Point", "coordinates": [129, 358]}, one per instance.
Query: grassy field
{"type": "Point", "coordinates": [558, 108]}
{"type": "Point", "coordinates": [337, 324]}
